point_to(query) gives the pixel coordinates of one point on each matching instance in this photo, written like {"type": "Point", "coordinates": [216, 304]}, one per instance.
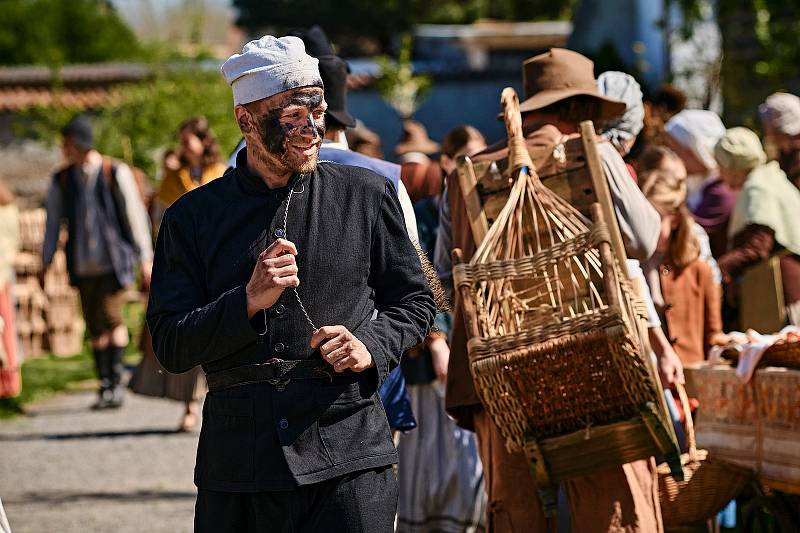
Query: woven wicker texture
{"type": "Point", "coordinates": [553, 351]}
{"type": "Point", "coordinates": [567, 384]}
{"type": "Point", "coordinates": [708, 484]}
{"type": "Point", "coordinates": [782, 354]}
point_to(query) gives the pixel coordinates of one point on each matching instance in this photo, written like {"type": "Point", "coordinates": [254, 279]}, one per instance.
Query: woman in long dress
{"type": "Point", "coordinates": [10, 362]}
{"type": "Point", "coordinates": [196, 163]}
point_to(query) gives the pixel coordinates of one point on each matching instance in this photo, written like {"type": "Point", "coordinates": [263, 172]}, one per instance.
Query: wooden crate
{"type": "Point", "coordinates": [49, 319]}
{"type": "Point", "coordinates": [65, 325]}
{"type": "Point", "coordinates": [31, 326]}
{"type": "Point", "coordinates": [66, 342]}
{"type": "Point", "coordinates": [31, 230]}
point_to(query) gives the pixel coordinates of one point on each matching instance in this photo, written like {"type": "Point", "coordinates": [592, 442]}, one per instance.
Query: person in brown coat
{"type": "Point", "coordinates": [685, 294]}
{"type": "Point", "coordinates": [560, 92]}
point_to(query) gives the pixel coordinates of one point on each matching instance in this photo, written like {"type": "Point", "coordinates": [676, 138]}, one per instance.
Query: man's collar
{"type": "Point", "coordinates": [253, 183]}
{"type": "Point", "coordinates": [339, 144]}
{"type": "Point", "coordinates": [334, 145]}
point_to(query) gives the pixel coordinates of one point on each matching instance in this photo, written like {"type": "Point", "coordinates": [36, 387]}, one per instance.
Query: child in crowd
{"type": "Point", "coordinates": [682, 284]}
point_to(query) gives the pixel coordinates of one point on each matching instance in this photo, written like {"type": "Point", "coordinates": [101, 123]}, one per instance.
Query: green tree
{"type": "Point", "coordinates": [359, 26]}
{"type": "Point", "coordinates": [146, 120]}
{"type": "Point", "coordinates": [760, 51]}
{"type": "Point", "coordinates": [55, 32]}
{"type": "Point", "coordinates": [398, 85]}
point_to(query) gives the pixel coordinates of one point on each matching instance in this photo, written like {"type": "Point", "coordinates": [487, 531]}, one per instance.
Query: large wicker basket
{"type": "Point", "coordinates": [554, 349]}
{"type": "Point", "coordinates": [708, 484]}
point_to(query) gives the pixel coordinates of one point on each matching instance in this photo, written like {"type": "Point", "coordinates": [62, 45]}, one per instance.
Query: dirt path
{"type": "Point", "coordinates": [68, 469]}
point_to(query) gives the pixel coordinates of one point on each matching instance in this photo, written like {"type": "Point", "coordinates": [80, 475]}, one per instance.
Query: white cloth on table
{"type": "Point", "coordinates": [753, 346]}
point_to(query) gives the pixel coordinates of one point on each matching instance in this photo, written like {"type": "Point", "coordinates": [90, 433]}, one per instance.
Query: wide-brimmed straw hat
{"type": "Point", "coordinates": [415, 139]}
{"type": "Point", "coordinates": [560, 74]}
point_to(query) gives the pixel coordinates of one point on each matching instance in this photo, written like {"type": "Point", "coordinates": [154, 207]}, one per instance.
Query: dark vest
{"type": "Point", "coordinates": [115, 227]}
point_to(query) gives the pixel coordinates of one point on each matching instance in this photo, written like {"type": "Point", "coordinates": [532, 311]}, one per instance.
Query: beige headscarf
{"type": "Point", "coordinates": [767, 198]}
{"type": "Point", "coordinates": [739, 149]}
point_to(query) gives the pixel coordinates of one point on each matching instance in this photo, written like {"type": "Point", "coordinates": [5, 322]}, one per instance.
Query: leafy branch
{"type": "Point", "coordinates": [397, 83]}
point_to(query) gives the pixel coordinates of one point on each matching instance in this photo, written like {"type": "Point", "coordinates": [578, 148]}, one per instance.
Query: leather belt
{"type": "Point", "coordinates": [277, 372]}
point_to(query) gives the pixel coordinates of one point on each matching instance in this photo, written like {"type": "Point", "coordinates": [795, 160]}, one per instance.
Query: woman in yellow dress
{"type": "Point", "coordinates": [196, 163]}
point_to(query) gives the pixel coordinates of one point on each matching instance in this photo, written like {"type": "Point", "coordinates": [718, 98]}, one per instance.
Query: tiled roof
{"type": "Point", "coordinates": [100, 73]}
{"type": "Point", "coordinates": [82, 86]}
{"type": "Point", "coordinates": [15, 98]}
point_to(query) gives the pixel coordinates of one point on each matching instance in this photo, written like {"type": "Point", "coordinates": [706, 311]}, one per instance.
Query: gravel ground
{"type": "Point", "coordinates": [67, 469]}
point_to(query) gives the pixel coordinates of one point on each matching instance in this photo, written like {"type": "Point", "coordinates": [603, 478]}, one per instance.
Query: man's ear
{"type": "Point", "coordinates": [244, 119]}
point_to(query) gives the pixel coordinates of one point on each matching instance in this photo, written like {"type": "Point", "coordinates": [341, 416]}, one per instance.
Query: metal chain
{"type": "Point", "coordinates": [286, 234]}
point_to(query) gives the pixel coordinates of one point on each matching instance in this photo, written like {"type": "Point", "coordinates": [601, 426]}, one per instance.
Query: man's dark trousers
{"type": "Point", "coordinates": [361, 502]}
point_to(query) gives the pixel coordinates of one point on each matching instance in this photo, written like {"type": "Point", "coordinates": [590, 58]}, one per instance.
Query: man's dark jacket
{"type": "Point", "coordinates": [354, 257]}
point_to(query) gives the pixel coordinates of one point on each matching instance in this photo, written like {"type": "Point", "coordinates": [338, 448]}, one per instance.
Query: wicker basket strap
{"type": "Point", "coordinates": [470, 273]}
{"type": "Point", "coordinates": [518, 155]}
{"type": "Point", "coordinates": [687, 411]}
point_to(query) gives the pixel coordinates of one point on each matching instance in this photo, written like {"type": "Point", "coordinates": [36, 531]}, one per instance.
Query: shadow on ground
{"type": "Point", "coordinates": [23, 437]}
{"type": "Point", "coordinates": [139, 496]}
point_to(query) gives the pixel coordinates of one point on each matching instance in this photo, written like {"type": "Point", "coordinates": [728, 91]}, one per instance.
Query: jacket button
{"type": "Point", "coordinates": [283, 424]}
{"type": "Point", "coordinates": [280, 309]}
{"type": "Point", "coordinates": [279, 348]}
{"type": "Point", "coordinates": [279, 233]}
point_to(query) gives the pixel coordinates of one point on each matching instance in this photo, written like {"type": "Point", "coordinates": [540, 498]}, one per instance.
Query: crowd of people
{"type": "Point", "coordinates": [699, 206]}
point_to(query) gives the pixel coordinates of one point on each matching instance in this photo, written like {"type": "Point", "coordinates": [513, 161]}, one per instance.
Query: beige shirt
{"type": "Point", "coordinates": [639, 222]}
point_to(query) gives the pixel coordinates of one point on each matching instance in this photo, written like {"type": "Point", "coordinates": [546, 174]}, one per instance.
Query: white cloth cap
{"type": "Point", "coordinates": [782, 112]}
{"type": "Point", "coordinates": [627, 126]}
{"type": "Point", "coordinates": [699, 131]}
{"type": "Point", "coordinates": [270, 66]}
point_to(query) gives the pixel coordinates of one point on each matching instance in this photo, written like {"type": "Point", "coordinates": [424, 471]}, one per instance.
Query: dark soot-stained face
{"type": "Point", "coordinates": [292, 131]}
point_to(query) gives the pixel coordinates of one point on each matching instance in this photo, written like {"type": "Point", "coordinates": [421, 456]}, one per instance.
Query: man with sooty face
{"type": "Point", "coordinates": [269, 278]}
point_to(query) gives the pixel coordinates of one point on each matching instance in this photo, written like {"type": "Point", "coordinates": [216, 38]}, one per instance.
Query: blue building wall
{"type": "Point", "coordinates": [450, 103]}
{"type": "Point", "coordinates": [631, 27]}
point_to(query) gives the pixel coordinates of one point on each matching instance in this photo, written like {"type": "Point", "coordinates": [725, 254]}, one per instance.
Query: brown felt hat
{"type": "Point", "coordinates": [415, 139]}
{"type": "Point", "coordinates": [560, 74]}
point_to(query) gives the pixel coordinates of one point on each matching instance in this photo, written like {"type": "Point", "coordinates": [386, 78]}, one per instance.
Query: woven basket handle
{"type": "Point", "coordinates": [687, 411]}
{"type": "Point", "coordinates": [518, 155]}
